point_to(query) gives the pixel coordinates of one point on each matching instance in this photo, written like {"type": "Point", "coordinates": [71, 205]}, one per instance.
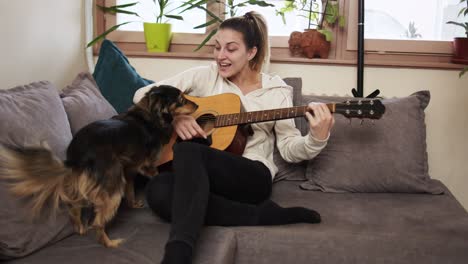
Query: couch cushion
{"type": "Point", "coordinates": [296, 84]}
{"type": "Point", "coordinates": [361, 228]}
{"type": "Point", "coordinates": [145, 237]}
{"type": "Point", "coordinates": [84, 102]}
{"type": "Point", "coordinates": [20, 235]}
{"type": "Point", "coordinates": [286, 170]}
{"type": "Point", "coordinates": [34, 113]}
{"type": "Point", "coordinates": [116, 78]}
{"type": "Point", "coordinates": [30, 114]}
{"type": "Point", "coordinates": [388, 155]}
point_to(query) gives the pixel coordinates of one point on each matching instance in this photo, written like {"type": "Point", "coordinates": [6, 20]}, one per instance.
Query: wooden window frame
{"type": "Point", "coordinates": [410, 53]}
{"type": "Point", "coordinates": [386, 53]}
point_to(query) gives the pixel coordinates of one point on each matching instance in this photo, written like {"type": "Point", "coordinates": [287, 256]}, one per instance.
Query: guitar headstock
{"type": "Point", "coordinates": [365, 108]}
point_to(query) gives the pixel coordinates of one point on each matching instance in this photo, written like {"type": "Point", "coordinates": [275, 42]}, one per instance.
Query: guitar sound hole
{"type": "Point", "coordinates": [207, 122]}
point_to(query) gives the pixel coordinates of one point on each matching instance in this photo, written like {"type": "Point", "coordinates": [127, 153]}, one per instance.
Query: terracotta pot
{"type": "Point", "coordinates": [460, 50]}
{"type": "Point", "coordinates": [310, 43]}
{"type": "Point", "coordinates": [295, 43]}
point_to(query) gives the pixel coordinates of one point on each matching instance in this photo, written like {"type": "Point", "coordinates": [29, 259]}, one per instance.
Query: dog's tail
{"type": "Point", "coordinates": [35, 173]}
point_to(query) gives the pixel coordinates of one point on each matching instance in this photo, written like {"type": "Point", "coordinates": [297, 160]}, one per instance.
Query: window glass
{"type": "Point", "coordinates": [415, 19]}
{"type": "Point", "coordinates": [147, 10]}
{"type": "Point", "coordinates": [295, 21]}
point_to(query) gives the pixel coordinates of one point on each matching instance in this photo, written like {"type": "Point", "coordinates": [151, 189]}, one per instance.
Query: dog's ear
{"type": "Point", "coordinates": [147, 101]}
{"type": "Point", "coordinates": [156, 99]}
{"type": "Point", "coordinates": [144, 103]}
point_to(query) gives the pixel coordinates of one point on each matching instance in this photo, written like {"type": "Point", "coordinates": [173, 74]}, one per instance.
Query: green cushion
{"type": "Point", "coordinates": [116, 78]}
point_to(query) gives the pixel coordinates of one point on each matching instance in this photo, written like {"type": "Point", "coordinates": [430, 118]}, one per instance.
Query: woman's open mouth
{"type": "Point", "coordinates": [224, 66]}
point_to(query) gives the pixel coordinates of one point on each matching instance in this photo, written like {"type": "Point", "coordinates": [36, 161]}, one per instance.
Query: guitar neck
{"type": "Point", "coordinates": [263, 116]}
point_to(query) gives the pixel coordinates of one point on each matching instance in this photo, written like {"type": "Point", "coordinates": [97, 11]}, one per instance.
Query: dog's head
{"type": "Point", "coordinates": [165, 102]}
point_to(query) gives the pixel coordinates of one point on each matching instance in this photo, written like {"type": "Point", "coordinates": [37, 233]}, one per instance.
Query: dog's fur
{"type": "Point", "coordinates": [102, 160]}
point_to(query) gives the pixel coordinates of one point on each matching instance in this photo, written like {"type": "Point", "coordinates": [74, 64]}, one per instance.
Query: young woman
{"type": "Point", "coordinates": [213, 187]}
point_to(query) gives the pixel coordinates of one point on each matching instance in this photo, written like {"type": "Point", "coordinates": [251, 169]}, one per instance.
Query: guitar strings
{"type": "Point", "coordinates": [214, 118]}
{"type": "Point", "coordinates": [202, 118]}
{"type": "Point", "coordinates": [254, 113]}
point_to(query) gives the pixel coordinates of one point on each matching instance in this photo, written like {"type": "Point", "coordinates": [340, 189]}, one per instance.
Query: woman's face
{"type": "Point", "coordinates": [231, 53]}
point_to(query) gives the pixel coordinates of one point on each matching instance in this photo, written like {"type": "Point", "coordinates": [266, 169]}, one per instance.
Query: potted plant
{"type": "Point", "coordinates": [216, 19]}
{"type": "Point", "coordinates": [412, 31]}
{"type": "Point", "coordinates": [460, 44]}
{"type": "Point", "coordinates": [321, 18]}
{"type": "Point", "coordinates": [157, 34]}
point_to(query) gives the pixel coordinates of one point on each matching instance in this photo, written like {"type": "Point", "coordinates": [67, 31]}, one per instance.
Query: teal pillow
{"type": "Point", "coordinates": [116, 78]}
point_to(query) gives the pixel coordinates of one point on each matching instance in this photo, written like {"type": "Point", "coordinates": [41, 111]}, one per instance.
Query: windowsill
{"type": "Point", "coordinates": [282, 55]}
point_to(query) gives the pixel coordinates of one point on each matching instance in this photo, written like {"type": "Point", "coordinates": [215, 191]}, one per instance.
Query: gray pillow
{"type": "Point", "coordinates": [34, 113]}
{"type": "Point", "coordinates": [20, 235]}
{"type": "Point", "coordinates": [30, 114]}
{"type": "Point", "coordinates": [286, 170]}
{"type": "Point", "coordinates": [388, 155]}
{"type": "Point", "coordinates": [296, 84]}
{"type": "Point", "coordinates": [84, 102]}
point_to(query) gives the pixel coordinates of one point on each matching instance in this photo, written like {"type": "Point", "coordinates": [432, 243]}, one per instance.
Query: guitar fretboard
{"type": "Point", "coordinates": [261, 116]}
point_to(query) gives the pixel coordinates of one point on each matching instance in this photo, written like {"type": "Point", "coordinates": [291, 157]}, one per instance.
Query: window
{"type": "Point", "coordinates": [417, 26]}
{"type": "Point", "coordinates": [276, 26]}
{"type": "Point", "coordinates": [148, 10]}
{"type": "Point", "coordinates": [417, 20]}
{"type": "Point", "coordinates": [131, 37]}
{"type": "Point", "coordinates": [398, 33]}
{"type": "Point", "coordinates": [185, 38]}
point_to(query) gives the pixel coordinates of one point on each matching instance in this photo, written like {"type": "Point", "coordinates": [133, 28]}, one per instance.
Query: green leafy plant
{"type": "Point", "coordinates": [463, 71]}
{"type": "Point", "coordinates": [163, 13]}
{"type": "Point", "coordinates": [412, 31]}
{"type": "Point", "coordinates": [463, 12]}
{"type": "Point", "coordinates": [323, 16]}
{"type": "Point", "coordinates": [230, 5]}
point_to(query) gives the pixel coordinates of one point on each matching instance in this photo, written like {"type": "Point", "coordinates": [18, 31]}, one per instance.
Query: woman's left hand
{"type": "Point", "coordinates": [321, 121]}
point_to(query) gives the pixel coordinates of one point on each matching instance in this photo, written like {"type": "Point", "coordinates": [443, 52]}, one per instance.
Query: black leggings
{"type": "Point", "coordinates": [208, 186]}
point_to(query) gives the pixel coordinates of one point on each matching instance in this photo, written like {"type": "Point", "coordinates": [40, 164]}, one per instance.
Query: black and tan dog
{"type": "Point", "coordinates": [102, 160]}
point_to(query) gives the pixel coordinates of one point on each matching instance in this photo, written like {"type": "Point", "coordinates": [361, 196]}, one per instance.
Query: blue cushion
{"type": "Point", "coordinates": [116, 78]}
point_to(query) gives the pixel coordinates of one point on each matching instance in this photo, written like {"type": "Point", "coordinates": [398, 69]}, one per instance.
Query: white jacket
{"type": "Point", "coordinates": [275, 93]}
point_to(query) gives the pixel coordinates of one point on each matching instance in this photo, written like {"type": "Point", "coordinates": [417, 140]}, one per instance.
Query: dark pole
{"type": "Point", "coordinates": [360, 72]}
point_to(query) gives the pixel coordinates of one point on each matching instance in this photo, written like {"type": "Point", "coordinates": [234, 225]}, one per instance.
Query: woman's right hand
{"type": "Point", "coordinates": [187, 127]}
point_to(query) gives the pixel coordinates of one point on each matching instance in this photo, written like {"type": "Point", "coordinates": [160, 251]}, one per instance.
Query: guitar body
{"type": "Point", "coordinates": [221, 137]}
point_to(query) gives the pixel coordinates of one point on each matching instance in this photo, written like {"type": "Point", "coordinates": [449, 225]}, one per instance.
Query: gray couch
{"type": "Point", "coordinates": [407, 221]}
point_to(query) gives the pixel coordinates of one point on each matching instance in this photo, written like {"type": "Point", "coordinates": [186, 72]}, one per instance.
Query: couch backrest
{"type": "Point", "coordinates": [296, 84]}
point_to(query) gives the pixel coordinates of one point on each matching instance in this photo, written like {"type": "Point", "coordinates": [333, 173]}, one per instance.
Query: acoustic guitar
{"type": "Point", "coordinates": [220, 117]}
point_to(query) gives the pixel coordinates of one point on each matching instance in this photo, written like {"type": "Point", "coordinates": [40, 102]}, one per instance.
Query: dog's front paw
{"type": "Point", "coordinates": [149, 171]}
{"type": "Point", "coordinates": [136, 204]}
{"type": "Point", "coordinates": [80, 229]}
{"type": "Point", "coordinates": [114, 243]}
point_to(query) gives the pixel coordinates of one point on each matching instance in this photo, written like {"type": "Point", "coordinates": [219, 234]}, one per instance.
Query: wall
{"type": "Point", "coordinates": [41, 40]}
{"type": "Point", "coordinates": [446, 115]}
